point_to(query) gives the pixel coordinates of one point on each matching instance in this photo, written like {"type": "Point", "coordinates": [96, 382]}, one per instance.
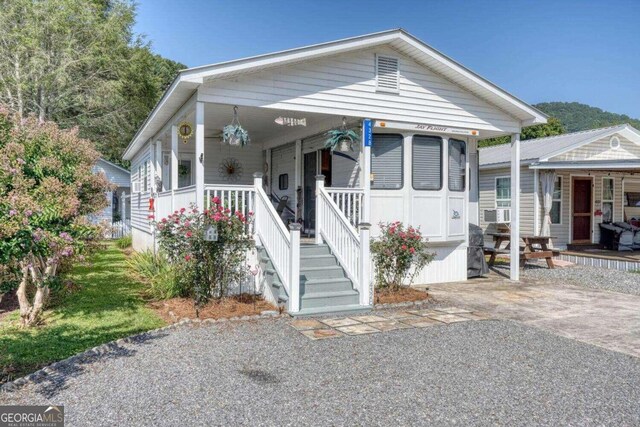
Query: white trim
{"type": "Point", "coordinates": [558, 177]}
{"type": "Point", "coordinates": [613, 198]}
{"type": "Point", "coordinates": [571, 176]}
{"type": "Point", "coordinates": [113, 164]}
{"type": "Point", "coordinates": [590, 165]}
{"type": "Point", "coordinates": [536, 203]}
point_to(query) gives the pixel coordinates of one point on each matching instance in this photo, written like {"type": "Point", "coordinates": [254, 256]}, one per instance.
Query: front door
{"type": "Point", "coordinates": [581, 210]}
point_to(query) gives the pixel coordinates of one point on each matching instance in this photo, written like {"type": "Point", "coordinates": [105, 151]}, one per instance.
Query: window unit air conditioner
{"type": "Point", "coordinates": [500, 215]}
{"type": "Point", "coordinates": [135, 188]}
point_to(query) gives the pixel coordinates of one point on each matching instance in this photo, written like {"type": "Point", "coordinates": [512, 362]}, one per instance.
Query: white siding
{"type": "Point", "coordinates": [114, 175]}
{"type": "Point", "coordinates": [140, 201]}
{"type": "Point", "coordinates": [283, 162]}
{"type": "Point", "coordinates": [601, 150]}
{"type": "Point", "coordinates": [346, 85]}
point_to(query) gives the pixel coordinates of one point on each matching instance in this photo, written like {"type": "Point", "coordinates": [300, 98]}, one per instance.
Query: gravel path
{"type": "Point", "coordinates": [588, 277]}
{"type": "Point", "coordinates": [265, 373]}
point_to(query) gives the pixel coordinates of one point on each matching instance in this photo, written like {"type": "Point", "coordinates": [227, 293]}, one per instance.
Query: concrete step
{"type": "Point", "coordinates": [314, 250]}
{"type": "Point", "coordinates": [318, 260]}
{"type": "Point", "coordinates": [325, 285]}
{"type": "Point", "coordinates": [329, 299]}
{"type": "Point", "coordinates": [329, 272]}
{"type": "Point", "coordinates": [342, 310]}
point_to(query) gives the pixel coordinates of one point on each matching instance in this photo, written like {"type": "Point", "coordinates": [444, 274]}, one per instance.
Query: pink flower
{"type": "Point", "coordinates": [189, 234]}
{"type": "Point", "coordinates": [404, 247]}
{"type": "Point", "coordinates": [250, 213]}
{"type": "Point", "coordinates": [216, 200]}
{"type": "Point", "coordinates": [412, 250]}
{"type": "Point", "coordinates": [12, 212]}
{"type": "Point", "coordinates": [164, 220]}
{"type": "Point", "coordinates": [182, 210]}
{"type": "Point", "coordinates": [187, 257]}
{"type": "Point", "coordinates": [151, 216]}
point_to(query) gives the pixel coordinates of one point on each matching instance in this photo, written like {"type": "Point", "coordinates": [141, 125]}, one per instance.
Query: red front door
{"type": "Point", "coordinates": [581, 210]}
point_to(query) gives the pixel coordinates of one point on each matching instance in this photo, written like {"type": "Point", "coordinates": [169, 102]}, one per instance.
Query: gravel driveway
{"type": "Point", "coordinates": [265, 373]}
{"type": "Point", "coordinates": [589, 277]}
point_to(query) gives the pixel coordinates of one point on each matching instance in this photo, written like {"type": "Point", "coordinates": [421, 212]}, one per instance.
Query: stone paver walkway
{"type": "Point", "coordinates": [603, 318]}
{"type": "Point", "coordinates": [385, 321]}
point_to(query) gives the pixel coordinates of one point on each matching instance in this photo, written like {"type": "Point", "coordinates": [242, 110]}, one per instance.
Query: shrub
{"type": "Point", "coordinates": [207, 268]}
{"type": "Point", "coordinates": [124, 242]}
{"type": "Point", "coordinates": [399, 254]}
{"type": "Point", "coordinates": [158, 273]}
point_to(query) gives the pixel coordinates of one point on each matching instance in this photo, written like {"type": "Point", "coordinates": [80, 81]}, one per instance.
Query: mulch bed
{"type": "Point", "coordinates": [389, 296]}
{"type": "Point", "coordinates": [176, 309]}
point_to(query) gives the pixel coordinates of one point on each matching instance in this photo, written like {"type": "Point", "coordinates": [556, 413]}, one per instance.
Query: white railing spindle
{"type": "Point", "coordinates": [349, 201]}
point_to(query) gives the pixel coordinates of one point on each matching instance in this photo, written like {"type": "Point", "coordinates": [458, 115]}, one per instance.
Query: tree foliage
{"type": "Point", "coordinates": [551, 128]}
{"type": "Point", "coordinates": [577, 117]}
{"type": "Point", "coordinates": [78, 63]}
{"type": "Point", "coordinates": [47, 186]}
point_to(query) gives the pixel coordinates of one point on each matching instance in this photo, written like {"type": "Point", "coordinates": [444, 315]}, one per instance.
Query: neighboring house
{"type": "Point", "coordinates": [117, 199]}
{"type": "Point", "coordinates": [587, 178]}
{"type": "Point", "coordinates": [425, 113]}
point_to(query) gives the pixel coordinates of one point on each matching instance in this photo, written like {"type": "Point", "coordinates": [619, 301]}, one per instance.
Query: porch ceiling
{"type": "Point", "coordinates": [261, 125]}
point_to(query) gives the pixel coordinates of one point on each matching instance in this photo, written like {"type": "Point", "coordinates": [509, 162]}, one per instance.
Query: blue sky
{"type": "Point", "coordinates": [585, 51]}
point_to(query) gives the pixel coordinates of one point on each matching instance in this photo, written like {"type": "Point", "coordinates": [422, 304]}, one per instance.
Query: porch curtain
{"type": "Point", "coordinates": [547, 180]}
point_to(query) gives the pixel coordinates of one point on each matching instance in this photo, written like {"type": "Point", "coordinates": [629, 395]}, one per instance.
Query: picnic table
{"type": "Point", "coordinates": [535, 247]}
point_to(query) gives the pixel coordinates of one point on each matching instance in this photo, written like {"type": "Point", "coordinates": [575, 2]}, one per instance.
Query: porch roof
{"type": "Point", "coordinates": [185, 85]}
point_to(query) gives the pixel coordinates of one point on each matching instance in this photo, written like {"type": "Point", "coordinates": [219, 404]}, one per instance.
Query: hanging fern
{"type": "Point", "coordinates": [235, 135]}
{"type": "Point", "coordinates": [336, 136]}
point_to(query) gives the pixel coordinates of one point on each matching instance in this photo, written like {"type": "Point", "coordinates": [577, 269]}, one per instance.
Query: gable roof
{"type": "Point", "coordinates": [187, 81]}
{"type": "Point", "coordinates": [541, 149]}
{"type": "Point", "coordinates": [101, 160]}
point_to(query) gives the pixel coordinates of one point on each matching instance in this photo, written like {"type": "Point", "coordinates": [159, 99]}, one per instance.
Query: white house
{"type": "Point", "coordinates": [419, 112]}
{"type": "Point", "coordinates": [570, 184]}
{"type": "Point", "coordinates": [118, 208]}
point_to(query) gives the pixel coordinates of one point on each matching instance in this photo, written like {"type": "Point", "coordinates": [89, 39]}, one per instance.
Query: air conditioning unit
{"type": "Point", "coordinates": [135, 187]}
{"type": "Point", "coordinates": [500, 215]}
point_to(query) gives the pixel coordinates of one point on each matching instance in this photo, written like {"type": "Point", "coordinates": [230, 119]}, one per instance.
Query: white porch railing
{"type": "Point", "coordinates": [184, 197]}
{"type": "Point", "coordinates": [351, 249]}
{"type": "Point", "coordinates": [282, 246]}
{"type": "Point", "coordinates": [237, 198]}
{"type": "Point", "coordinates": [349, 201]}
{"type": "Point", "coordinates": [163, 204]}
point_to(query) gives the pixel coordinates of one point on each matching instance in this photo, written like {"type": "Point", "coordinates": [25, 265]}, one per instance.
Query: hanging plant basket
{"type": "Point", "coordinates": [342, 139]}
{"type": "Point", "coordinates": [235, 135]}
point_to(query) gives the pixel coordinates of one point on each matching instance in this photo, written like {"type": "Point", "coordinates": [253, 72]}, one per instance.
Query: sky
{"type": "Point", "coordinates": [540, 51]}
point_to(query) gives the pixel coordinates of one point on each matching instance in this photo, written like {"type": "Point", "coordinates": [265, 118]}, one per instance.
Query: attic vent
{"type": "Point", "coordinates": [387, 74]}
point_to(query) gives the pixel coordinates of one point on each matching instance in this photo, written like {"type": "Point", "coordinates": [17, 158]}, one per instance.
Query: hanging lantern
{"type": "Point", "coordinates": [185, 130]}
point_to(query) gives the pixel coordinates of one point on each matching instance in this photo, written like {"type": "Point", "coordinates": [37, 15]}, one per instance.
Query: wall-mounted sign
{"type": "Point", "coordinates": [367, 133]}
{"type": "Point", "coordinates": [290, 121]}
{"type": "Point", "coordinates": [426, 128]}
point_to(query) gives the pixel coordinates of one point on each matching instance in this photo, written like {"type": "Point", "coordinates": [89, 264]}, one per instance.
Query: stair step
{"type": "Point", "coordinates": [314, 250]}
{"type": "Point", "coordinates": [325, 285]}
{"type": "Point", "coordinates": [327, 272]}
{"type": "Point", "coordinates": [318, 260]}
{"type": "Point", "coordinates": [329, 299]}
{"type": "Point", "coordinates": [341, 310]}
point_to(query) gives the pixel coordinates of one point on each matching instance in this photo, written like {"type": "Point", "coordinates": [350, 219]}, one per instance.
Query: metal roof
{"type": "Point", "coordinates": [589, 164]}
{"type": "Point", "coordinates": [534, 150]}
{"type": "Point", "coordinates": [186, 83]}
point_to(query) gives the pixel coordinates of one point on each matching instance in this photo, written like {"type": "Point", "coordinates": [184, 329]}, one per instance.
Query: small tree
{"type": "Point", "coordinates": [399, 254]}
{"type": "Point", "coordinates": [207, 268]}
{"type": "Point", "coordinates": [47, 186]}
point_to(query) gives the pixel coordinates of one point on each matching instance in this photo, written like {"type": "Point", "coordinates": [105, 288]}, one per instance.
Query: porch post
{"type": "Point", "coordinates": [294, 265]}
{"type": "Point", "coordinates": [297, 178]}
{"type": "Point", "coordinates": [367, 141]}
{"type": "Point", "coordinates": [366, 291]}
{"type": "Point", "coordinates": [515, 207]}
{"type": "Point", "coordinates": [199, 153]}
{"type": "Point", "coordinates": [123, 206]}
{"type": "Point", "coordinates": [157, 180]}
{"type": "Point", "coordinates": [152, 170]}
{"type": "Point", "coordinates": [319, 185]}
{"type": "Point", "coordinates": [174, 157]}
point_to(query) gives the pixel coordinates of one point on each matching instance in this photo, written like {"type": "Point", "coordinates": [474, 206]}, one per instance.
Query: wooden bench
{"type": "Point", "coordinates": [524, 256]}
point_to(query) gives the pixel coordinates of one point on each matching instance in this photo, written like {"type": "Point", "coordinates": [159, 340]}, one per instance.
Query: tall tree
{"type": "Point", "coordinates": [77, 62]}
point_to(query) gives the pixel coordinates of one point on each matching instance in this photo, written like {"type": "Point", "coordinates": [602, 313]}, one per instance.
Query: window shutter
{"type": "Point", "coordinates": [386, 161]}
{"type": "Point", "coordinates": [427, 162]}
{"type": "Point", "coordinates": [387, 74]}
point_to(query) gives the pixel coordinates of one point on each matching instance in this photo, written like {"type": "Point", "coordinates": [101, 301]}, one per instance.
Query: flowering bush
{"type": "Point", "coordinates": [47, 186]}
{"type": "Point", "coordinates": [399, 254]}
{"type": "Point", "coordinates": [207, 269]}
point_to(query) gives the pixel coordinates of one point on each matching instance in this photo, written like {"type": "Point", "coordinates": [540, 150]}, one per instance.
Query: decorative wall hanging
{"type": "Point", "coordinates": [343, 138]}
{"type": "Point", "coordinates": [185, 130]}
{"type": "Point", "coordinates": [290, 121]}
{"type": "Point", "coordinates": [230, 169]}
{"type": "Point", "coordinates": [234, 134]}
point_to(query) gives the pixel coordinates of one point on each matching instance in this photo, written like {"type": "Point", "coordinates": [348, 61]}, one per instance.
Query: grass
{"type": "Point", "coordinates": [108, 305]}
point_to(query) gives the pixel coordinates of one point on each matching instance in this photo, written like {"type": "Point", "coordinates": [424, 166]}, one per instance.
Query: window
{"type": "Point", "coordinates": [556, 202]}
{"type": "Point", "coordinates": [608, 194]}
{"type": "Point", "coordinates": [283, 181]}
{"type": "Point", "coordinates": [145, 186]}
{"type": "Point", "coordinates": [503, 192]}
{"type": "Point", "coordinates": [457, 164]}
{"type": "Point", "coordinates": [386, 162]}
{"type": "Point", "coordinates": [426, 158]}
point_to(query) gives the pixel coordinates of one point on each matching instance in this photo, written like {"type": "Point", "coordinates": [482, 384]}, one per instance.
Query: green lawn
{"type": "Point", "coordinates": [107, 306]}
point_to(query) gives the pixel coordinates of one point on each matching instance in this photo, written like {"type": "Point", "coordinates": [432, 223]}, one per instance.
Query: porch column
{"type": "Point", "coordinates": [366, 291]}
{"type": "Point", "coordinates": [174, 157]}
{"type": "Point", "coordinates": [294, 265]}
{"type": "Point", "coordinates": [515, 207]}
{"type": "Point", "coordinates": [319, 185]}
{"type": "Point", "coordinates": [152, 169]}
{"type": "Point", "coordinates": [367, 141]}
{"type": "Point", "coordinates": [472, 179]}
{"type": "Point", "coordinates": [297, 178]}
{"type": "Point", "coordinates": [199, 153]}
{"type": "Point", "coordinates": [157, 180]}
